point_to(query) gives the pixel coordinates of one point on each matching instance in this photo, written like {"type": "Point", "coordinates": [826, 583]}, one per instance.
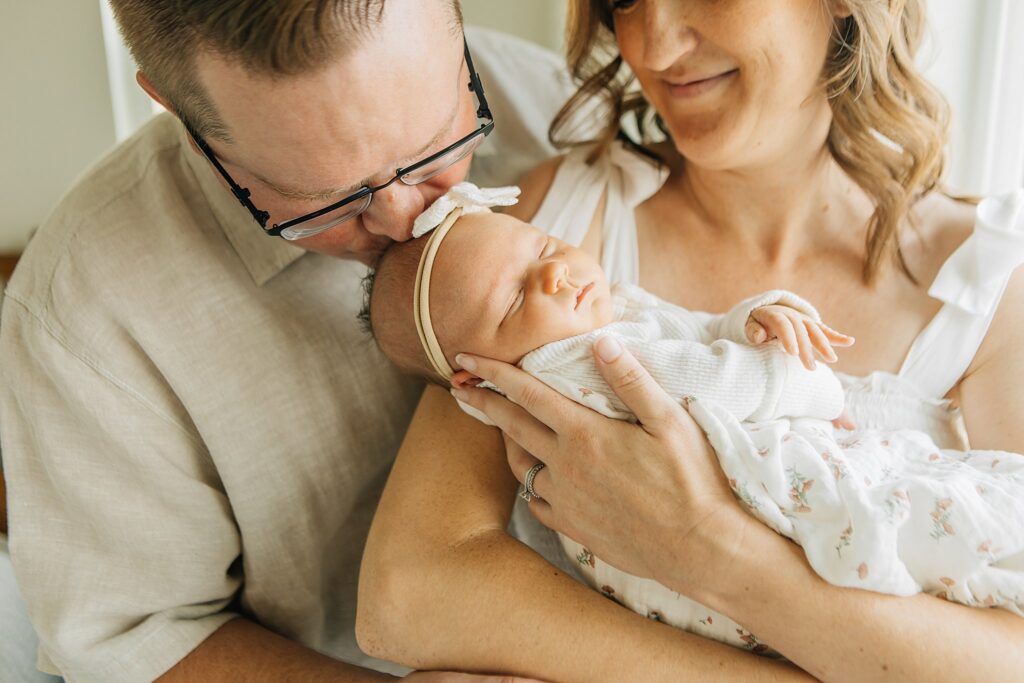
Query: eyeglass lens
{"type": "Point", "coordinates": [414, 177]}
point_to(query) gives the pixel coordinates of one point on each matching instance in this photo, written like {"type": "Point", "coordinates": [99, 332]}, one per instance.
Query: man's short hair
{"type": "Point", "coordinates": [273, 37]}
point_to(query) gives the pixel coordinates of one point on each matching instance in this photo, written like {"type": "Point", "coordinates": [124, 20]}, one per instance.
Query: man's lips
{"type": "Point", "coordinates": [580, 295]}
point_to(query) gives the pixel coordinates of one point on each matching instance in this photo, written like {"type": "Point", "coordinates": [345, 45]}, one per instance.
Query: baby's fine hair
{"type": "Point", "coordinates": [387, 310]}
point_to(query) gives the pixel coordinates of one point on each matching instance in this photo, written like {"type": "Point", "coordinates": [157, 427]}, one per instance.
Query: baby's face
{"type": "Point", "coordinates": [502, 288]}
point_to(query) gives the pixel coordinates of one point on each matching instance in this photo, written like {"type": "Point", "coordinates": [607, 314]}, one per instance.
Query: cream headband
{"type": "Point", "coordinates": [440, 217]}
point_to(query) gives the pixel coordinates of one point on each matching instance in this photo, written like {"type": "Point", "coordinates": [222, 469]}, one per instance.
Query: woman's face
{"type": "Point", "coordinates": [737, 82]}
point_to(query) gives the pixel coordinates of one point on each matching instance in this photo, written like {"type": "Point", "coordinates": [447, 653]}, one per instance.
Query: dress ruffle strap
{"type": "Point", "coordinates": [625, 179]}
{"type": "Point", "coordinates": [970, 283]}
{"type": "Point", "coordinates": [632, 180]}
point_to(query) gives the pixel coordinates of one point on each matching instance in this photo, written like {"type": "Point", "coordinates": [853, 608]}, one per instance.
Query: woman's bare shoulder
{"type": "Point", "coordinates": [535, 185]}
{"type": "Point", "coordinates": [940, 224]}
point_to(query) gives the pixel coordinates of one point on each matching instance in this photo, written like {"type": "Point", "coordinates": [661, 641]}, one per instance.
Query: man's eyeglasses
{"type": "Point", "coordinates": [354, 204]}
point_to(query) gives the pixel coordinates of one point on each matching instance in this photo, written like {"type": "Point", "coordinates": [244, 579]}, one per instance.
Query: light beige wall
{"type": "Point", "coordinates": [541, 21]}
{"type": "Point", "coordinates": [55, 111]}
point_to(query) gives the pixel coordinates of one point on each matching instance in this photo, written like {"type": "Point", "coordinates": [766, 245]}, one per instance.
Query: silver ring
{"type": "Point", "coordinates": [531, 474]}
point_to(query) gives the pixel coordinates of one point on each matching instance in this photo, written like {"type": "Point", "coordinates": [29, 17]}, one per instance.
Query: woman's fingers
{"type": "Point", "coordinates": [632, 383]}
{"type": "Point", "coordinates": [519, 459]}
{"type": "Point", "coordinates": [513, 420]}
{"type": "Point", "coordinates": [535, 397]}
{"type": "Point", "coordinates": [521, 462]}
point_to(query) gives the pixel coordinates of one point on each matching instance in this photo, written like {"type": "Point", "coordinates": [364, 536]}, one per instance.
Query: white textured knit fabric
{"type": "Point", "coordinates": [693, 354]}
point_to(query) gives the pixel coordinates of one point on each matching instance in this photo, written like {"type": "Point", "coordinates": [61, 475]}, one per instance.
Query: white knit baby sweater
{"type": "Point", "coordinates": [690, 353]}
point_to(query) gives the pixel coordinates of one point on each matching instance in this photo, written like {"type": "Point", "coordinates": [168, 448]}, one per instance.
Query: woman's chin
{"type": "Point", "coordinates": [706, 143]}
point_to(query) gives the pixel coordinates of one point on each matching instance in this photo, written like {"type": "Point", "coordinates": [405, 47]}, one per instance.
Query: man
{"type": "Point", "coordinates": [195, 431]}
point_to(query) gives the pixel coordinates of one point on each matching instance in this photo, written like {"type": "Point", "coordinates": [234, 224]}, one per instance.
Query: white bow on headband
{"type": "Point", "coordinates": [468, 197]}
{"type": "Point", "coordinates": [442, 214]}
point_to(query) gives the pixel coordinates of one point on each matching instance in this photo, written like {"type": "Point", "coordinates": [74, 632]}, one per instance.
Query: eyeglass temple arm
{"type": "Point", "coordinates": [483, 111]}
{"type": "Point", "coordinates": [241, 193]}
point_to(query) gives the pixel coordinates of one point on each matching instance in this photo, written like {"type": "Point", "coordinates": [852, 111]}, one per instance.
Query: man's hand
{"type": "Point", "coordinates": [799, 334]}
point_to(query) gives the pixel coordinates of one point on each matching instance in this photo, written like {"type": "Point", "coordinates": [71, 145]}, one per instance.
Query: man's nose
{"type": "Point", "coordinates": [553, 275]}
{"type": "Point", "coordinates": [393, 210]}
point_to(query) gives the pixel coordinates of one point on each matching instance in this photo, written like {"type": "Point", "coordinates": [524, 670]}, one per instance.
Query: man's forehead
{"type": "Point", "coordinates": [382, 103]}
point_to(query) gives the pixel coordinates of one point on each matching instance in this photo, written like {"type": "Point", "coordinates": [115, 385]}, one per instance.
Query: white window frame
{"type": "Point", "coordinates": [132, 106]}
{"type": "Point", "coordinates": [980, 68]}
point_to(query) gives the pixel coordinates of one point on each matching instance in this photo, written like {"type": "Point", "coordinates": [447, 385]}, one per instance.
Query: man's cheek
{"type": "Point", "coordinates": [348, 240]}
{"type": "Point", "coordinates": [442, 182]}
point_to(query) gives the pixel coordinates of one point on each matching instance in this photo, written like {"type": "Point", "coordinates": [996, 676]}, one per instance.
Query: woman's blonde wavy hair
{"type": "Point", "coordinates": [889, 125]}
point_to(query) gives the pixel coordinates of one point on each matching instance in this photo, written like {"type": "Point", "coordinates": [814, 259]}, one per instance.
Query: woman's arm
{"type": "Point", "coordinates": [992, 392]}
{"type": "Point", "coordinates": [670, 504]}
{"type": "Point", "coordinates": [443, 586]}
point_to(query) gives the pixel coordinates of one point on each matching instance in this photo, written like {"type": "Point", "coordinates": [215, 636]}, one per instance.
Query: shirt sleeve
{"type": "Point", "coordinates": [121, 535]}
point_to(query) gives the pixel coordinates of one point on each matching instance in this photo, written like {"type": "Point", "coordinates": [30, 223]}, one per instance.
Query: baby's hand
{"type": "Point", "coordinates": [799, 334]}
{"type": "Point", "coordinates": [844, 421]}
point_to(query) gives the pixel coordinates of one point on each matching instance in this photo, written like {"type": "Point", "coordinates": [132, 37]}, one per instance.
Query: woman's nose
{"type": "Point", "coordinates": [553, 275]}
{"type": "Point", "coordinates": [668, 34]}
{"type": "Point", "coordinates": [393, 210]}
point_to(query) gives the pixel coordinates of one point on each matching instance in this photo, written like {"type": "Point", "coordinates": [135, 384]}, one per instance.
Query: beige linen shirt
{"type": "Point", "coordinates": [194, 425]}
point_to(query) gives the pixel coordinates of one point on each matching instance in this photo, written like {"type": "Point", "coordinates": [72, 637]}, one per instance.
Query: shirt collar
{"type": "Point", "coordinates": [263, 256]}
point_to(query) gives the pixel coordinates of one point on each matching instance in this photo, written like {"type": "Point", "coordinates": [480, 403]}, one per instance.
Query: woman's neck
{"type": "Point", "coordinates": [778, 211]}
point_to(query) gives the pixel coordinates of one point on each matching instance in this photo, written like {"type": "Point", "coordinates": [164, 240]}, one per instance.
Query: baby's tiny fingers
{"type": "Point", "coordinates": [820, 341]}
{"type": "Point", "coordinates": [784, 332]}
{"type": "Point", "coordinates": [803, 341]}
{"type": "Point", "coordinates": [755, 332]}
{"type": "Point", "coordinates": [837, 338]}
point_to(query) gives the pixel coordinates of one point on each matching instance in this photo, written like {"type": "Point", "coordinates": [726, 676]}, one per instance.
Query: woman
{"type": "Point", "coordinates": [777, 177]}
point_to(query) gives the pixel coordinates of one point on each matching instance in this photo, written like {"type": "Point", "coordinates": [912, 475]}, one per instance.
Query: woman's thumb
{"type": "Point", "coordinates": [631, 382]}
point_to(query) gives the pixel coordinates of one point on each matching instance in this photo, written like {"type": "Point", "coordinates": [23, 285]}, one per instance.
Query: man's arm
{"type": "Point", "coordinates": [443, 586]}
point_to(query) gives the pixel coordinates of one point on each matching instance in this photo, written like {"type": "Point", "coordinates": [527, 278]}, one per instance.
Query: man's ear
{"type": "Point", "coordinates": [147, 85]}
{"type": "Point", "coordinates": [464, 379]}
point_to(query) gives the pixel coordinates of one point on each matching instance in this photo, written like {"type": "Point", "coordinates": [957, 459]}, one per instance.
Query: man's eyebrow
{"type": "Point", "coordinates": [366, 182]}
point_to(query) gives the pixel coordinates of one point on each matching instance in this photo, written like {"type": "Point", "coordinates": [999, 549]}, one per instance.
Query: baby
{"type": "Point", "coordinates": [888, 512]}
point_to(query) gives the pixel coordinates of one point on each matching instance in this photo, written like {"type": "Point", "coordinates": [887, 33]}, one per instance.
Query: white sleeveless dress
{"type": "Point", "coordinates": [970, 283]}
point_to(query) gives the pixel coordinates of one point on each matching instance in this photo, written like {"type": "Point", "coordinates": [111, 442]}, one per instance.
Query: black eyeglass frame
{"type": "Point", "coordinates": [243, 194]}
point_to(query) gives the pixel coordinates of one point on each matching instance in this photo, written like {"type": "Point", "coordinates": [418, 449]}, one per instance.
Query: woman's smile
{"type": "Point", "coordinates": [696, 86]}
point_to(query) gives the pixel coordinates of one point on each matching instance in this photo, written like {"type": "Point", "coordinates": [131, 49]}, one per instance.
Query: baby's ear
{"type": "Point", "coordinates": [464, 378]}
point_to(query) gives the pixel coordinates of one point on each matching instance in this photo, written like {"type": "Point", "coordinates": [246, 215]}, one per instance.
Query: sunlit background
{"type": "Point", "coordinates": [67, 92]}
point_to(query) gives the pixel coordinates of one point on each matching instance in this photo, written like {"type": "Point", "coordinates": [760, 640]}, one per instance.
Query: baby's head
{"type": "Point", "coordinates": [498, 288]}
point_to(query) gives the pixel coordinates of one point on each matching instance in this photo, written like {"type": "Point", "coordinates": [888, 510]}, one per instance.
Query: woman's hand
{"type": "Point", "coordinates": [645, 498]}
{"type": "Point", "coordinates": [452, 677]}
{"type": "Point", "coordinates": [799, 334]}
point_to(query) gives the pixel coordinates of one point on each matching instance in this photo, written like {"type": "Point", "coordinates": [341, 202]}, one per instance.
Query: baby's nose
{"type": "Point", "coordinates": [553, 274]}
